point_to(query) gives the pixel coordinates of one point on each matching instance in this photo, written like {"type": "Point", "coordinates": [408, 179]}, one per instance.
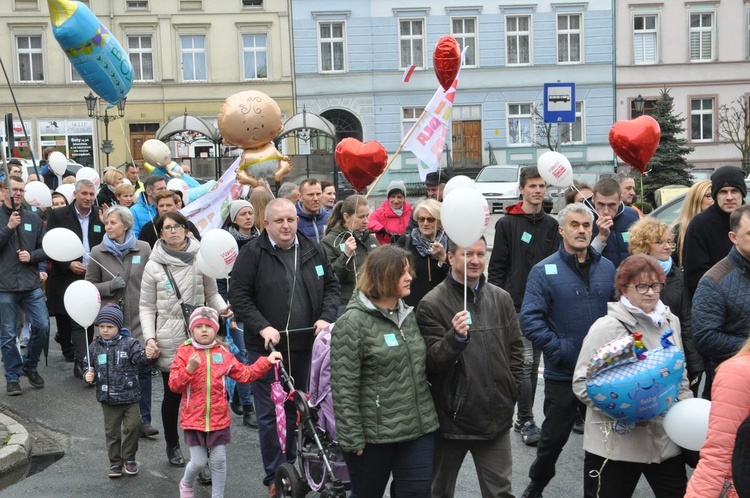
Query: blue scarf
{"type": "Point", "coordinates": [423, 245]}
{"type": "Point", "coordinates": [665, 265]}
{"type": "Point", "coordinates": [120, 250]}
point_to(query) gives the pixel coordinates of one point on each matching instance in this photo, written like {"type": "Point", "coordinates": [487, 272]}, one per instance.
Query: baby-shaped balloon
{"type": "Point", "coordinates": [251, 120]}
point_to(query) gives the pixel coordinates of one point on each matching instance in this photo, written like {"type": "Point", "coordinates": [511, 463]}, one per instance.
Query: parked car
{"type": "Point", "coordinates": [669, 211]}
{"type": "Point", "coordinates": [499, 184]}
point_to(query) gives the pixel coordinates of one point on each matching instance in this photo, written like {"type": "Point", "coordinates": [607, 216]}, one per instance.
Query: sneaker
{"type": "Point", "coordinates": [530, 433]}
{"type": "Point", "coordinates": [148, 430]}
{"type": "Point", "coordinates": [13, 389]}
{"type": "Point", "coordinates": [35, 379]}
{"type": "Point", "coordinates": [186, 492]}
{"type": "Point", "coordinates": [533, 490]}
{"type": "Point", "coordinates": [131, 467]}
{"type": "Point", "coordinates": [517, 425]}
{"type": "Point", "coordinates": [579, 426]}
{"type": "Point", "coordinates": [115, 471]}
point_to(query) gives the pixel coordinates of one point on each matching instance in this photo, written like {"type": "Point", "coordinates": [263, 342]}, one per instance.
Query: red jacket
{"type": "Point", "coordinates": [730, 405]}
{"type": "Point", "coordinates": [197, 411]}
{"type": "Point", "coordinates": [384, 218]}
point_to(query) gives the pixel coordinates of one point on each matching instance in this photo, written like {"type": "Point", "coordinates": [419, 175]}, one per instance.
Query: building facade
{"type": "Point", "coordinates": [187, 55]}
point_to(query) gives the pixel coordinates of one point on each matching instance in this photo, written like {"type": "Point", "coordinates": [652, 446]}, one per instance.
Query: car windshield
{"type": "Point", "coordinates": [497, 175]}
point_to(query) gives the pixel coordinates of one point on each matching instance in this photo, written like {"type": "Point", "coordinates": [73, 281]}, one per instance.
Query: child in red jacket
{"type": "Point", "coordinates": [198, 372]}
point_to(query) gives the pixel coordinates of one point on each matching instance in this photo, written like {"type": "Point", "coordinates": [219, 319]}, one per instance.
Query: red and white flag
{"type": "Point", "coordinates": [408, 72]}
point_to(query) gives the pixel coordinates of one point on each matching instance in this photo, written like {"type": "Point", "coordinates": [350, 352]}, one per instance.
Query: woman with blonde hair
{"type": "Point", "coordinates": [260, 199]}
{"type": "Point", "coordinates": [110, 180]}
{"type": "Point", "coordinates": [697, 199]}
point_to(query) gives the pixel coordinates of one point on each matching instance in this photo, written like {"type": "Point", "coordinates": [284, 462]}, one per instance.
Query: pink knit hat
{"type": "Point", "coordinates": [205, 315]}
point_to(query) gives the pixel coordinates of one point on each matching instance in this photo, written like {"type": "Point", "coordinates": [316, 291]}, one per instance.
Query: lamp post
{"type": "Point", "coordinates": [638, 103]}
{"type": "Point", "coordinates": [91, 106]}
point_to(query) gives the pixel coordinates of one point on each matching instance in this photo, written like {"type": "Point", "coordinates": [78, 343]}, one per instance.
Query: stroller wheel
{"type": "Point", "coordinates": [288, 482]}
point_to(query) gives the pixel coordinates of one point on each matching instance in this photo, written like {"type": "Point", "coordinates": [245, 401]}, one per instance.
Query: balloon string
{"type": "Point", "coordinates": [465, 284]}
{"type": "Point", "coordinates": [585, 201]}
{"type": "Point", "coordinates": [23, 125]}
{"type": "Point", "coordinates": [127, 145]}
{"type": "Point", "coordinates": [102, 266]}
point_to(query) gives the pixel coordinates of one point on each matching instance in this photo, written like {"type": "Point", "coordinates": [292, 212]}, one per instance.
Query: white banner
{"type": "Point", "coordinates": [209, 211]}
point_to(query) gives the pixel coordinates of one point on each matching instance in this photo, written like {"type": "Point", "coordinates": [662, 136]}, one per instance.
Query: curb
{"type": "Point", "coordinates": [17, 452]}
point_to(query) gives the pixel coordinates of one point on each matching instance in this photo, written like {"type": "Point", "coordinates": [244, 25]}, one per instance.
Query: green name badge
{"type": "Point", "coordinates": [217, 358]}
{"type": "Point", "coordinates": [27, 227]}
{"type": "Point", "coordinates": [342, 246]}
{"type": "Point", "coordinates": [550, 269]}
{"type": "Point", "coordinates": [136, 259]}
{"type": "Point", "coordinates": [319, 270]}
{"type": "Point", "coordinates": [526, 237]}
{"type": "Point", "coordinates": [391, 340]}
{"type": "Point", "coordinates": [625, 237]}
{"type": "Point", "coordinates": [469, 318]}
{"type": "Point", "coordinates": [101, 359]}
{"type": "Point", "coordinates": [97, 229]}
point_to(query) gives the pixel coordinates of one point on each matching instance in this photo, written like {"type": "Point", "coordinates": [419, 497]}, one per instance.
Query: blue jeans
{"type": "Point", "coordinates": [238, 336]}
{"type": "Point", "coordinates": [410, 462]}
{"type": "Point", "coordinates": [531, 356]}
{"type": "Point", "coordinates": [270, 450]}
{"type": "Point", "coordinates": [35, 308]}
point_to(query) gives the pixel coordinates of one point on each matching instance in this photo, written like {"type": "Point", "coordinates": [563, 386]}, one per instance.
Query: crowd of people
{"type": "Point", "coordinates": [435, 351]}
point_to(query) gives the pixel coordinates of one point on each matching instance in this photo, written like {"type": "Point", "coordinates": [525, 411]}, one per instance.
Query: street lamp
{"type": "Point", "coordinates": [639, 102]}
{"type": "Point", "coordinates": [91, 101]}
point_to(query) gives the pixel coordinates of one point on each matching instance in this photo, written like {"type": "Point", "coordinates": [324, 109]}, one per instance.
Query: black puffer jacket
{"type": "Point", "coordinates": [115, 363]}
{"type": "Point", "coordinates": [675, 296]}
{"type": "Point", "coordinates": [475, 384]}
{"type": "Point", "coordinates": [706, 243]}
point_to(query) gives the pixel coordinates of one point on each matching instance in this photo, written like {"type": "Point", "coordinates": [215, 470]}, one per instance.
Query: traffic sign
{"type": "Point", "coordinates": [559, 102]}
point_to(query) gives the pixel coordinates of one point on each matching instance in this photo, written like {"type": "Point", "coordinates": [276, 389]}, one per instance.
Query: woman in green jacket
{"type": "Point", "coordinates": [385, 417]}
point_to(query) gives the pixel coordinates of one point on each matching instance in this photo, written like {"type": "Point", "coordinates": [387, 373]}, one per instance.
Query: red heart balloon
{"type": "Point", "coordinates": [635, 140]}
{"type": "Point", "coordinates": [447, 60]}
{"type": "Point", "coordinates": [361, 162]}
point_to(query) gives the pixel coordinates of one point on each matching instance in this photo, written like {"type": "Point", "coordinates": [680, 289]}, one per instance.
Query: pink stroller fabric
{"type": "Point", "coordinates": [320, 381]}
{"type": "Point", "coordinates": [279, 397]}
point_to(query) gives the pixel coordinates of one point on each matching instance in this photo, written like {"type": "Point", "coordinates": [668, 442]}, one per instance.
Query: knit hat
{"type": "Point", "coordinates": [236, 206]}
{"type": "Point", "coordinates": [435, 178]}
{"type": "Point", "coordinates": [396, 185]}
{"type": "Point", "coordinates": [728, 176]}
{"type": "Point", "coordinates": [110, 313]}
{"type": "Point", "coordinates": [204, 315]}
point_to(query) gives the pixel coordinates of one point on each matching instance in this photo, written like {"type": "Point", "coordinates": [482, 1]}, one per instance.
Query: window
{"type": "Point", "coordinates": [411, 43]}
{"type": "Point", "coordinates": [569, 38]}
{"type": "Point", "coordinates": [254, 56]}
{"type": "Point", "coordinates": [518, 40]}
{"type": "Point", "coordinates": [252, 4]}
{"type": "Point", "coordinates": [645, 37]}
{"type": "Point", "coordinates": [702, 120]}
{"type": "Point", "coordinates": [136, 5]}
{"type": "Point", "coordinates": [332, 45]}
{"type": "Point", "coordinates": [193, 57]}
{"type": "Point", "coordinates": [520, 124]}
{"type": "Point", "coordinates": [409, 116]}
{"type": "Point", "coordinates": [141, 53]}
{"type": "Point", "coordinates": [464, 30]}
{"type": "Point", "coordinates": [572, 133]}
{"type": "Point", "coordinates": [701, 37]}
{"type": "Point", "coordinates": [30, 58]}
{"type": "Point", "coordinates": [74, 76]}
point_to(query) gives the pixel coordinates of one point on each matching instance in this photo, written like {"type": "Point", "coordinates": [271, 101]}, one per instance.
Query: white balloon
{"type": "Point", "coordinates": [219, 250]}
{"type": "Point", "coordinates": [38, 194]}
{"type": "Point", "coordinates": [455, 182]}
{"type": "Point", "coordinates": [58, 162]}
{"type": "Point", "coordinates": [465, 215]}
{"type": "Point", "coordinates": [178, 184]}
{"type": "Point", "coordinates": [127, 182]}
{"type": "Point", "coordinates": [61, 244]}
{"type": "Point", "coordinates": [686, 423]}
{"type": "Point", "coordinates": [67, 189]}
{"type": "Point", "coordinates": [206, 269]}
{"type": "Point", "coordinates": [90, 174]}
{"type": "Point", "coordinates": [555, 169]}
{"type": "Point", "coordinates": [156, 152]}
{"type": "Point", "coordinates": [82, 302]}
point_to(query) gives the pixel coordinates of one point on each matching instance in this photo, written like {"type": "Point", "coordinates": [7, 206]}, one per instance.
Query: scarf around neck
{"type": "Point", "coordinates": [423, 245]}
{"type": "Point", "coordinates": [120, 250]}
{"type": "Point", "coordinates": [656, 316]}
{"type": "Point", "coordinates": [241, 236]}
{"type": "Point", "coordinates": [184, 256]}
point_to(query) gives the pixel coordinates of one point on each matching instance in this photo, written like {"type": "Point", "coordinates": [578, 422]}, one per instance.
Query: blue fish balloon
{"type": "Point", "coordinates": [93, 51]}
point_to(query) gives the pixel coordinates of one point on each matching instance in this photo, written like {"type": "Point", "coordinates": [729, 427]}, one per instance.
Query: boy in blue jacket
{"type": "Point", "coordinates": [112, 363]}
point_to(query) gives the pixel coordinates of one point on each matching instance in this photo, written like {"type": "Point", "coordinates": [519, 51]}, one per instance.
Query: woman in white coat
{"type": "Point", "coordinates": [162, 321]}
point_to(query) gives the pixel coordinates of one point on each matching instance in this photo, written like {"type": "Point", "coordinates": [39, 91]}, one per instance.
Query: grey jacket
{"type": "Point", "coordinates": [16, 276]}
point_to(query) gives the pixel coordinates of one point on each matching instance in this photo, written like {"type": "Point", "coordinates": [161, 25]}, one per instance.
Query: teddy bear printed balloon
{"type": "Point", "coordinates": [251, 120]}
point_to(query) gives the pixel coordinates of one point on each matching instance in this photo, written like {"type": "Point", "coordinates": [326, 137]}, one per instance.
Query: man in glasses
{"type": "Point", "coordinates": [523, 237]}
{"type": "Point", "coordinates": [565, 294]}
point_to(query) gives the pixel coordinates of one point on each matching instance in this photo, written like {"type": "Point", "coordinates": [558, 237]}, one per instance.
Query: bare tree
{"type": "Point", "coordinates": [549, 135]}
{"type": "Point", "coordinates": [734, 126]}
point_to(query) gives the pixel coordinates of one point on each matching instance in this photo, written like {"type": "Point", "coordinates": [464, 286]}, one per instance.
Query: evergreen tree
{"type": "Point", "coordinates": [669, 165]}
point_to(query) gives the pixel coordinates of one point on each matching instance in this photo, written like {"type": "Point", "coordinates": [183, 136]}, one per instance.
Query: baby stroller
{"type": "Point", "coordinates": [320, 463]}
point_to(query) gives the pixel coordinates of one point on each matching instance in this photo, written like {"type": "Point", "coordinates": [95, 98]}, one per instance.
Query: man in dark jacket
{"type": "Point", "coordinates": [565, 294]}
{"type": "Point", "coordinates": [475, 364]}
{"type": "Point", "coordinates": [523, 237]}
{"type": "Point", "coordinates": [82, 218]}
{"type": "Point", "coordinates": [613, 220]}
{"type": "Point", "coordinates": [282, 282]}
{"type": "Point", "coordinates": [721, 306]}
{"type": "Point", "coordinates": [22, 262]}
{"type": "Point", "coordinates": [312, 219]}
{"type": "Point", "coordinates": [166, 202]}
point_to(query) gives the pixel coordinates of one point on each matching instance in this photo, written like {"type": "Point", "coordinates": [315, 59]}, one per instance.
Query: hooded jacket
{"type": "Point", "coordinates": [142, 212]}
{"type": "Point", "coordinates": [475, 384]}
{"type": "Point", "coordinates": [346, 268]}
{"type": "Point", "coordinates": [616, 249]}
{"type": "Point", "coordinates": [16, 276]}
{"type": "Point", "coordinates": [647, 444]}
{"type": "Point", "coordinates": [560, 305]}
{"type": "Point", "coordinates": [521, 241]}
{"type": "Point", "coordinates": [378, 380]}
{"type": "Point", "coordinates": [706, 243]}
{"type": "Point", "coordinates": [385, 223]}
{"type": "Point", "coordinates": [116, 363]}
{"type": "Point", "coordinates": [312, 226]}
{"type": "Point", "coordinates": [204, 406]}
{"type": "Point", "coordinates": [160, 312]}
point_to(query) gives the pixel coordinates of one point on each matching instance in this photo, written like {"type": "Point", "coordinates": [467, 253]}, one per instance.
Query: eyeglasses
{"type": "Point", "coordinates": [428, 219]}
{"type": "Point", "coordinates": [172, 228]}
{"type": "Point", "coordinates": [669, 243]}
{"type": "Point", "coordinates": [643, 288]}
{"type": "Point", "coordinates": [17, 190]}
